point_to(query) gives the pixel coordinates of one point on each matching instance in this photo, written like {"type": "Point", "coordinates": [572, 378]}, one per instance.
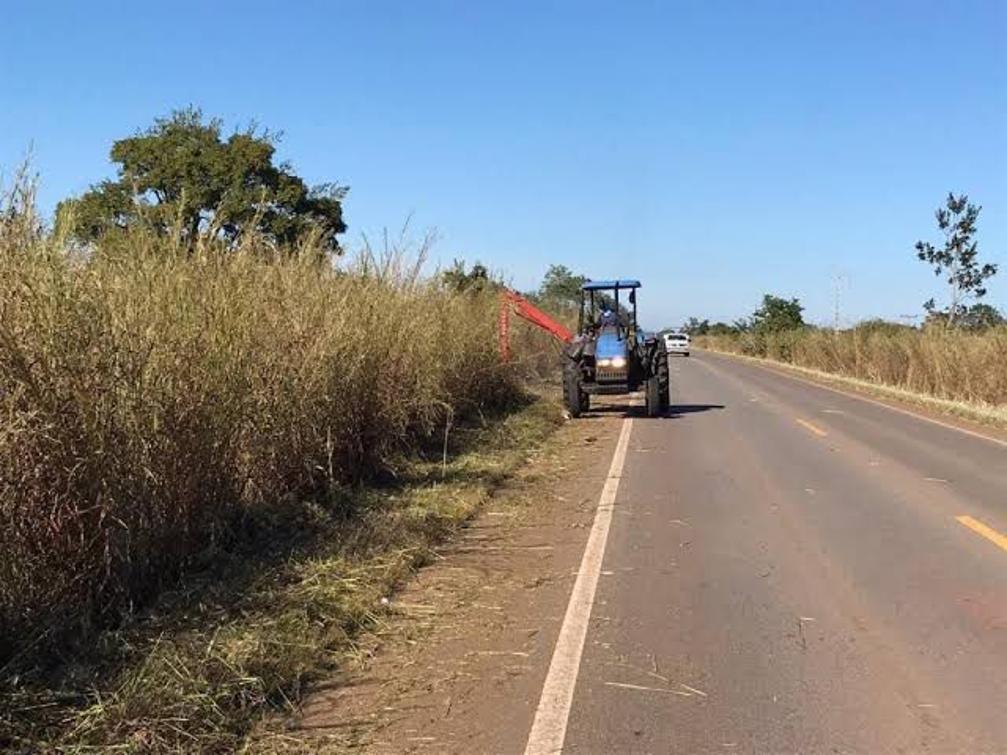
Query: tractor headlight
{"type": "Point", "coordinates": [618, 362]}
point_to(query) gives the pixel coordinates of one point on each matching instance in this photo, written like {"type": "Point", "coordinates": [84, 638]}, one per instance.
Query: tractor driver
{"type": "Point", "coordinates": [607, 318]}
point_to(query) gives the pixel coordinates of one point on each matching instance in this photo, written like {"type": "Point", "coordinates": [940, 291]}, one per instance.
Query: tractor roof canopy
{"type": "Point", "coordinates": [610, 285]}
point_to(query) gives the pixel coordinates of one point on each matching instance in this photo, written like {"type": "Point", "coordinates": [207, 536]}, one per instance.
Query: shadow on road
{"type": "Point", "coordinates": [673, 412]}
{"type": "Point", "coordinates": [679, 410]}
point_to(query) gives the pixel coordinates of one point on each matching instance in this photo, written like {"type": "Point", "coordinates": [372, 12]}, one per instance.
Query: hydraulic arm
{"type": "Point", "coordinates": [511, 300]}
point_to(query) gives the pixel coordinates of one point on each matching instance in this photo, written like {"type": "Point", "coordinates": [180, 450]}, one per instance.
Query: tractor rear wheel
{"type": "Point", "coordinates": [664, 376]}
{"type": "Point", "coordinates": [574, 398]}
{"type": "Point", "coordinates": [654, 398]}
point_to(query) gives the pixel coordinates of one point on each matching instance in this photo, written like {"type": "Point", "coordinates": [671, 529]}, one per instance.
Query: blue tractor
{"type": "Point", "coordinates": [610, 355]}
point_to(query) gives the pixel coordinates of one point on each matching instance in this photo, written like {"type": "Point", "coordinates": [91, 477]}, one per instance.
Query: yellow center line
{"type": "Point", "coordinates": [813, 428]}
{"type": "Point", "coordinates": [987, 532]}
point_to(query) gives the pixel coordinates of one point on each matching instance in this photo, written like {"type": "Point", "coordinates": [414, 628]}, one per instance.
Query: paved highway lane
{"type": "Point", "coordinates": [789, 569]}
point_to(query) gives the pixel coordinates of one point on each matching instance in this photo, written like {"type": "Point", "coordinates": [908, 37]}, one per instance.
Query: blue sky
{"type": "Point", "coordinates": [715, 150]}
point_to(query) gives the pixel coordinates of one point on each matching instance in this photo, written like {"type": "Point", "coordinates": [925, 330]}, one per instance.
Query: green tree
{"type": "Point", "coordinates": [777, 314]}
{"type": "Point", "coordinates": [722, 329]}
{"type": "Point", "coordinates": [181, 175]}
{"type": "Point", "coordinates": [560, 287]}
{"type": "Point", "coordinates": [981, 316]}
{"type": "Point", "coordinates": [475, 280]}
{"type": "Point", "coordinates": [696, 327]}
{"type": "Point", "coordinates": [958, 259]}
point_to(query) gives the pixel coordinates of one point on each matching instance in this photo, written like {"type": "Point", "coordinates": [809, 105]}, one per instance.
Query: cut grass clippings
{"type": "Point", "coordinates": [245, 635]}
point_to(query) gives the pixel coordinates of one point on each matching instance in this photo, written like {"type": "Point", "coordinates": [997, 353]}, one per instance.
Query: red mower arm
{"type": "Point", "coordinates": [527, 311]}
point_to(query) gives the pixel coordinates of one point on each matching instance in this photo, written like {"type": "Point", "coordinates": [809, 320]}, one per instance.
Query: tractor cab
{"type": "Point", "coordinates": [607, 303]}
{"type": "Point", "coordinates": [608, 328]}
{"type": "Point", "coordinates": [609, 354]}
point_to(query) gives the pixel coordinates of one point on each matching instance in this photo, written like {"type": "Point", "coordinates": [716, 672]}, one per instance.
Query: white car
{"type": "Point", "coordinates": [677, 343]}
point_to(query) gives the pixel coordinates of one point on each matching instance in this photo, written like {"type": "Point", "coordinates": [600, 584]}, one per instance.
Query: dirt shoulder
{"type": "Point", "coordinates": [460, 664]}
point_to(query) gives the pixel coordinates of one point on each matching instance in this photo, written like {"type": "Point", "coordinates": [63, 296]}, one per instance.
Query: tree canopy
{"type": "Point", "coordinates": [561, 287]}
{"type": "Point", "coordinates": [181, 175]}
{"type": "Point", "coordinates": [695, 327]}
{"type": "Point", "coordinates": [979, 316]}
{"type": "Point", "coordinates": [777, 314]}
{"type": "Point", "coordinates": [958, 259]}
{"type": "Point", "coordinates": [475, 280]}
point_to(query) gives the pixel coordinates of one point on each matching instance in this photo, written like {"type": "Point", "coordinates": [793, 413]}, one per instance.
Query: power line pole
{"type": "Point", "coordinates": [838, 281]}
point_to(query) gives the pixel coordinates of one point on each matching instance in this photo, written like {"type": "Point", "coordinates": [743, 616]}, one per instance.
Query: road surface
{"type": "Point", "coordinates": [791, 569]}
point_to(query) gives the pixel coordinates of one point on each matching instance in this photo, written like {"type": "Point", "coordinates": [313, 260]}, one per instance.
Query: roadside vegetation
{"type": "Point", "coordinates": [223, 440]}
{"type": "Point", "coordinates": [954, 365]}
{"type": "Point", "coordinates": [958, 355]}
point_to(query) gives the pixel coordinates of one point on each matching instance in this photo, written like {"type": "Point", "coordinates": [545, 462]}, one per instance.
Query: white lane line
{"type": "Point", "coordinates": [549, 727]}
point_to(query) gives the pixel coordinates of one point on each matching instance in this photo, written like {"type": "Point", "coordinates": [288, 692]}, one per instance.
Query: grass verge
{"type": "Point", "coordinates": [959, 365]}
{"type": "Point", "coordinates": [245, 634]}
{"type": "Point", "coordinates": [986, 414]}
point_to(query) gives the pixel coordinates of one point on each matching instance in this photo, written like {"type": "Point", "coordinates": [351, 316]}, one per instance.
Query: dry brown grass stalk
{"type": "Point", "coordinates": [950, 364]}
{"type": "Point", "coordinates": [152, 396]}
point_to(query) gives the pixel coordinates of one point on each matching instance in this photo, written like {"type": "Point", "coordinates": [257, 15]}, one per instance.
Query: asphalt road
{"type": "Point", "coordinates": [787, 571]}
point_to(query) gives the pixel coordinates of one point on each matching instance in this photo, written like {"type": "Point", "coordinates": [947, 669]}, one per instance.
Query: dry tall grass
{"type": "Point", "coordinates": [957, 365]}
{"type": "Point", "coordinates": [151, 397]}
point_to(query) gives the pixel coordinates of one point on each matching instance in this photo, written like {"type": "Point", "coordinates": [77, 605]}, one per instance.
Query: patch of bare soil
{"type": "Point", "coordinates": [460, 666]}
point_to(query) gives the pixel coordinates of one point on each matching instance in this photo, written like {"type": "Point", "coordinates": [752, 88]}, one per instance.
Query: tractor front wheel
{"type": "Point", "coordinates": [575, 399]}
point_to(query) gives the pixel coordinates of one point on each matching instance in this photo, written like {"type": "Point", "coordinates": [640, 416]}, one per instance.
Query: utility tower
{"type": "Point", "coordinates": [839, 282]}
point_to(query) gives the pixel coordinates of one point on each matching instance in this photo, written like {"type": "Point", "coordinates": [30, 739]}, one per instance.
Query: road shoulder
{"type": "Point", "coordinates": [460, 666]}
